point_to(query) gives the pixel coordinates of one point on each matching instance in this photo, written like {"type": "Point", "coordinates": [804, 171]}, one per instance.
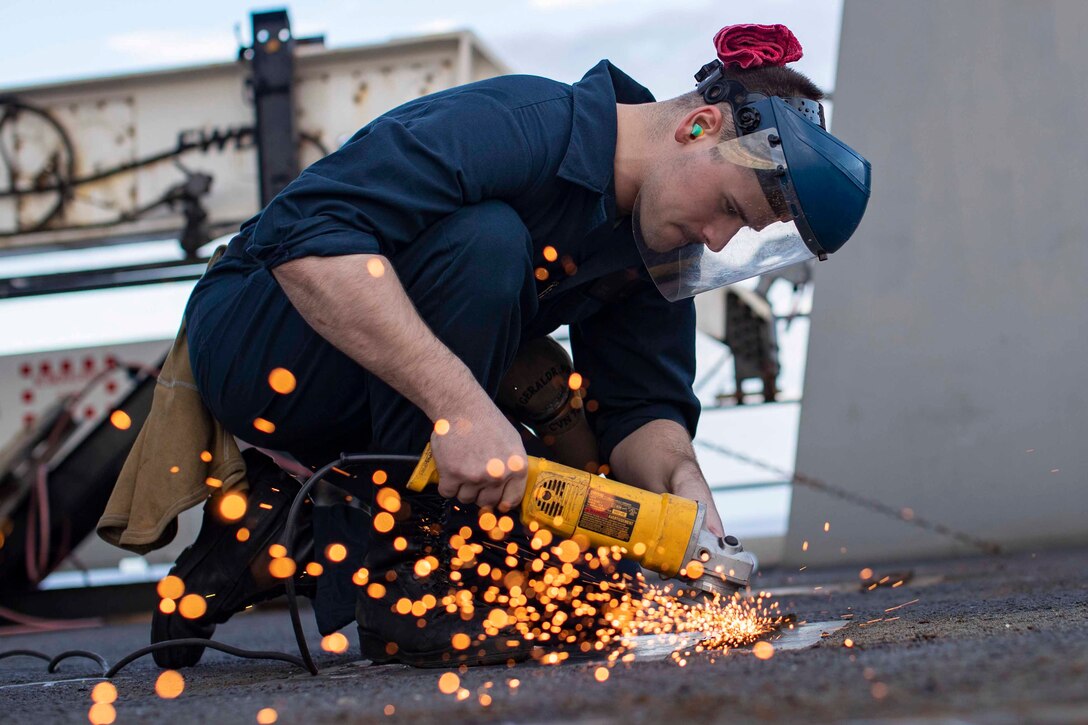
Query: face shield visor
{"type": "Point", "coordinates": [768, 229]}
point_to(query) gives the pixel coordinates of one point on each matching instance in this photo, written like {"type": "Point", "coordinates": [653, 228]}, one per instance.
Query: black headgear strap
{"type": "Point", "coordinates": [716, 88]}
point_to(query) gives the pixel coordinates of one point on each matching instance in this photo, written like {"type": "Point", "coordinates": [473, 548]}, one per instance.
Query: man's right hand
{"type": "Point", "coordinates": [480, 457]}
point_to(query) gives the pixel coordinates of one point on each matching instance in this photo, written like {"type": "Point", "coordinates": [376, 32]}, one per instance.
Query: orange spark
{"type": "Point", "coordinates": [448, 683]}
{"type": "Point", "coordinates": [104, 693]}
{"type": "Point", "coordinates": [335, 643]}
{"type": "Point", "coordinates": [282, 381]}
{"type": "Point", "coordinates": [900, 606]}
{"type": "Point", "coordinates": [232, 507]}
{"type": "Point", "coordinates": [422, 568]}
{"type": "Point", "coordinates": [383, 522]}
{"type": "Point", "coordinates": [763, 650]}
{"type": "Point", "coordinates": [102, 713]}
{"type": "Point", "coordinates": [192, 606]}
{"type": "Point", "coordinates": [169, 685]}
{"type": "Point", "coordinates": [170, 587]}
{"type": "Point", "coordinates": [336, 552]}
{"type": "Point", "coordinates": [282, 568]}
{"type": "Point", "coordinates": [389, 499]}
{"type": "Point", "coordinates": [567, 551]}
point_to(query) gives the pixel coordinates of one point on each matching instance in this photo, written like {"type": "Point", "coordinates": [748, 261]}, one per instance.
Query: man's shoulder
{"type": "Point", "coordinates": [518, 91]}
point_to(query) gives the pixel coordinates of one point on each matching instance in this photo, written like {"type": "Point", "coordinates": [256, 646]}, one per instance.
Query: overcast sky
{"type": "Point", "coordinates": [660, 44]}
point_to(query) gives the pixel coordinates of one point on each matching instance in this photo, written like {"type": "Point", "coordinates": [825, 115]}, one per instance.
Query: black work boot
{"type": "Point", "coordinates": [430, 635]}
{"type": "Point", "coordinates": [229, 571]}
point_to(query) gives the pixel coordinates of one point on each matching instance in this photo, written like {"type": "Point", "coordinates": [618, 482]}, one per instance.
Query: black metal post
{"type": "Point", "coordinates": [273, 67]}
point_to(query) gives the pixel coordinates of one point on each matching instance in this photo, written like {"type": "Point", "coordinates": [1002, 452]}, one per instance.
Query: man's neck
{"type": "Point", "coordinates": [634, 137]}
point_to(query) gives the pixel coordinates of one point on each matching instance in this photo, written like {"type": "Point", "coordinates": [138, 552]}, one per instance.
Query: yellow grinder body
{"type": "Point", "coordinates": [655, 529]}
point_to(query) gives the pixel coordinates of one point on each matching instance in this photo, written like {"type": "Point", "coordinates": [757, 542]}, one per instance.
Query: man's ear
{"type": "Point", "coordinates": [708, 118]}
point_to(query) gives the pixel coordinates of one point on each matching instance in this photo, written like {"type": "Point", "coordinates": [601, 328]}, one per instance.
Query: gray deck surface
{"type": "Point", "coordinates": [994, 639]}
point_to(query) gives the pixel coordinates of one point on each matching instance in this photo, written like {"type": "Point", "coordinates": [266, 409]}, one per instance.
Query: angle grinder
{"type": "Point", "coordinates": [661, 532]}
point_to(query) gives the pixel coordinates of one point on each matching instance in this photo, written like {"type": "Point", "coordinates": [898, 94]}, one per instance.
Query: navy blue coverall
{"type": "Point", "coordinates": [461, 190]}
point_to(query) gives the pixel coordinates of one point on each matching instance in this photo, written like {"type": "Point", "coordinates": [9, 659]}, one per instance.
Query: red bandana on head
{"type": "Point", "coordinates": [753, 46]}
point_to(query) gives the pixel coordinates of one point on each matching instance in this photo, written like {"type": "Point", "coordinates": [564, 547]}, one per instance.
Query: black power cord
{"type": "Point", "coordinates": [289, 530]}
{"type": "Point", "coordinates": [55, 661]}
{"type": "Point", "coordinates": [305, 661]}
{"type": "Point", "coordinates": [229, 649]}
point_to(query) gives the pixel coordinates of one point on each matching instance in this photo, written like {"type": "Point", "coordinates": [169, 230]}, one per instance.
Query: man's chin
{"type": "Point", "coordinates": [652, 242]}
{"type": "Point", "coordinates": [656, 243]}
{"type": "Point", "coordinates": [660, 245]}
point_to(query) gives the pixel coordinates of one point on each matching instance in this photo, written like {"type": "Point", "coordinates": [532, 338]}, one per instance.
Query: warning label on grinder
{"type": "Point", "coordinates": [609, 515]}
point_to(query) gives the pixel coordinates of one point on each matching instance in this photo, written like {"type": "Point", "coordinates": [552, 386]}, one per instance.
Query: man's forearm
{"type": "Point", "coordinates": [370, 319]}
{"type": "Point", "coordinates": [361, 308]}
{"type": "Point", "coordinates": [654, 455]}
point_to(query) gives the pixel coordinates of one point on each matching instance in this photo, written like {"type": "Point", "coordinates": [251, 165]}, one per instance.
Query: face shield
{"type": "Point", "coordinates": [771, 229]}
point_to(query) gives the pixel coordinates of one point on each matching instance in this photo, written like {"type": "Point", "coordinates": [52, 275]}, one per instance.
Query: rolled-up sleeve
{"type": "Point", "coordinates": [638, 357]}
{"type": "Point", "coordinates": [393, 179]}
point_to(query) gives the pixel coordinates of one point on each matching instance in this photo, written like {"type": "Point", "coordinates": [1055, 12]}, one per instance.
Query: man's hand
{"type": "Point", "coordinates": [688, 481]}
{"type": "Point", "coordinates": [659, 457]}
{"type": "Point", "coordinates": [480, 458]}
